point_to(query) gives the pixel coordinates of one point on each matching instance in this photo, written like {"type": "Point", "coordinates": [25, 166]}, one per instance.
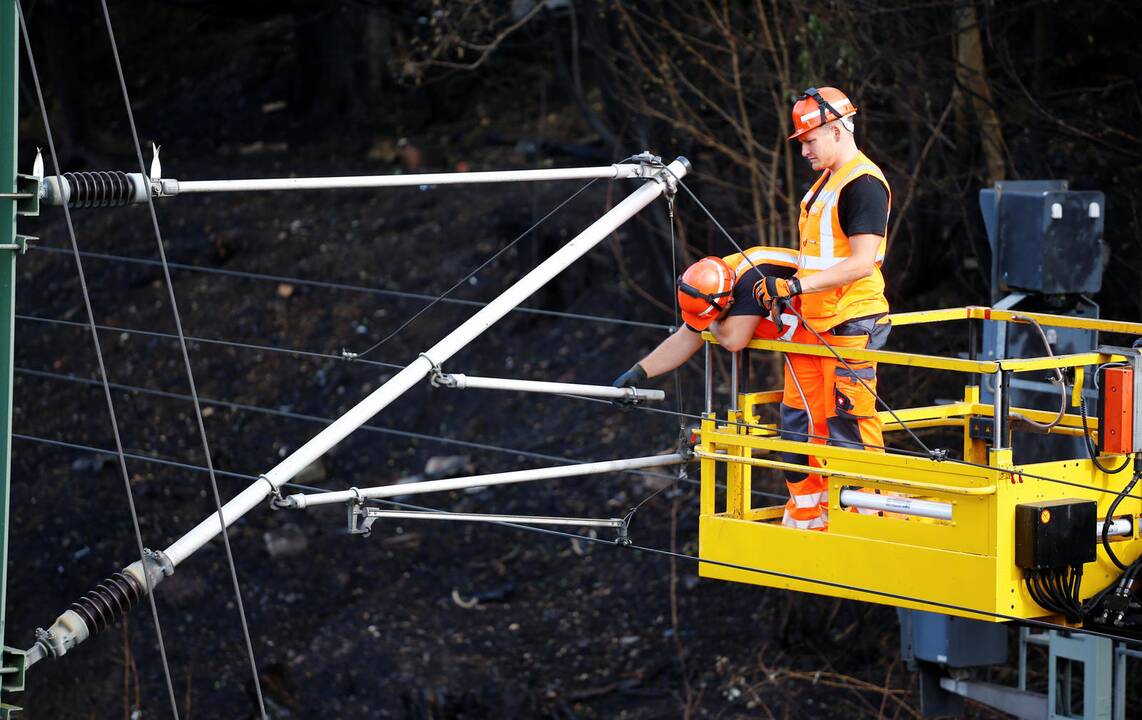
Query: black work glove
{"type": "Point", "coordinates": [631, 378]}
{"type": "Point", "coordinates": [770, 288]}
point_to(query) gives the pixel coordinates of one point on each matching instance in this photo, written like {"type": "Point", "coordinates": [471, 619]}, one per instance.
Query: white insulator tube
{"type": "Point", "coordinates": [895, 504]}
{"type": "Point", "coordinates": [416, 371]}
{"type": "Point", "coordinates": [1121, 526]}
{"type": "Point", "coordinates": [617, 171]}
{"type": "Point", "coordinates": [304, 500]}
{"type": "Point", "coordinates": [469, 382]}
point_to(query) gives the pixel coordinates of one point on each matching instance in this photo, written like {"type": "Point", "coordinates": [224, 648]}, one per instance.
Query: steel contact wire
{"type": "Point", "coordinates": [109, 601]}
{"type": "Point", "coordinates": [99, 189]}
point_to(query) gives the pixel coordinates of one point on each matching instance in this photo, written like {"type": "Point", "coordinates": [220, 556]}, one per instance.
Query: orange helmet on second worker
{"type": "Point", "coordinates": [818, 106]}
{"type": "Point", "coordinates": [705, 290]}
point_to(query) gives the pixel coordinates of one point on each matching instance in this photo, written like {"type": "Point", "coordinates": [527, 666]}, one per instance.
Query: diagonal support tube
{"type": "Point", "coordinates": [417, 370]}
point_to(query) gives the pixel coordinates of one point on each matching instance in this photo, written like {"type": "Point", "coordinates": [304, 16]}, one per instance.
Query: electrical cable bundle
{"type": "Point", "coordinates": [1057, 590]}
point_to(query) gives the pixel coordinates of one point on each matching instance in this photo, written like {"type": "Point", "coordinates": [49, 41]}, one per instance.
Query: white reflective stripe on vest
{"type": "Point", "coordinates": [829, 199]}
{"type": "Point", "coordinates": [809, 500]}
{"type": "Point", "coordinates": [828, 245]}
{"type": "Point", "coordinates": [809, 262]}
{"type": "Point", "coordinates": [818, 522]}
{"type": "Point", "coordinates": [759, 256]}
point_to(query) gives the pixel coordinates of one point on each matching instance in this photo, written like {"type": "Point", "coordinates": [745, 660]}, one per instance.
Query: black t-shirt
{"type": "Point", "coordinates": [863, 207]}
{"type": "Point", "coordinates": [745, 303]}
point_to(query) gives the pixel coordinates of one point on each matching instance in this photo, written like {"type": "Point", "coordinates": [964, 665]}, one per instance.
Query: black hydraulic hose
{"type": "Point", "coordinates": [1059, 379]}
{"type": "Point", "coordinates": [1076, 574]}
{"type": "Point", "coordinates": [1059, 586]}
{"type": "Point", "coordinates": [1105, 534]}
{"type": "Point", "coordinates": [1034, 591]}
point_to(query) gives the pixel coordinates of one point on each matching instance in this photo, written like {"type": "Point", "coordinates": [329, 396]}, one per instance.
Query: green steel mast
{"type": "Point", "coordinates": [19, 195]}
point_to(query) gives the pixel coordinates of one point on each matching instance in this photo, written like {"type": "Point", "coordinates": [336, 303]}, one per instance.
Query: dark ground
{"type": "Point", "coordinates": [357, 627]}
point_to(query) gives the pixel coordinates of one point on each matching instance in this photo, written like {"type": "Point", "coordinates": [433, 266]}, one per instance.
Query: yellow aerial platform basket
{"type": "Point", "coordinates": [963, 565]}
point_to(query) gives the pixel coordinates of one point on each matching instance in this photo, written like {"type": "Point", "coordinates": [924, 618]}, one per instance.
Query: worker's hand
{"type": "Point", "coordinates": [631, 378]}
{"type": "Point", "coordinates": [771, 288]}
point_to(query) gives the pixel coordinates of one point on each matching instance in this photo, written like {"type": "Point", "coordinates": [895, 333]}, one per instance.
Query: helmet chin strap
{"type": "Point", "coordinates": [711, 298]}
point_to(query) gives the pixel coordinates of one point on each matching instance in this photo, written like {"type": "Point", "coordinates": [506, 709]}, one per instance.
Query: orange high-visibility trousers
{"type": "Point", "coordinates": [843, 411]}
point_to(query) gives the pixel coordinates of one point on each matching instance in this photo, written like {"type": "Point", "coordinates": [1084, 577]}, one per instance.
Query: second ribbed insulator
{"type": "Point", "coordinates": [108, 602]}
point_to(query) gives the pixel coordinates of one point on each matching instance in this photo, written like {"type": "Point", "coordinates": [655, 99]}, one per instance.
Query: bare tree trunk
{"type": "Point", "coordinates": [971, 76]}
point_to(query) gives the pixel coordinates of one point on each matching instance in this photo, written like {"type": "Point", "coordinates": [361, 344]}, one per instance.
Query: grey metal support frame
{"type": "Point", "coordinates": [708, 357]}
{"type": "Point", "coordinates": [1095, 655]}
{"type": "Point", "coordinates": [1122, 655]}
{"type": "Point", "coordinates": [1001, 428]}
{"type": "Point", "coordinates": [735, 379]}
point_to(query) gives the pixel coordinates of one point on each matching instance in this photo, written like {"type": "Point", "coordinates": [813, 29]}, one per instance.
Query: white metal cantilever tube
{"type": "Point", "coordinates": [471, 382]}
{"type": "Point", "coordinates": [419, 368]}
{"type": "Point", "coordinates": [895, 504]}
{"type": "Point", "coordinates": [614, 172]}
{"type": "Point", "coordinates": [304, 500]}
{"type": "Point", "coordinates": [1120, 526]}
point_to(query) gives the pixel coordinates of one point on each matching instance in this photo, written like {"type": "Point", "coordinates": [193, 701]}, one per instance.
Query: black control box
{"type": "Point", "coordinates": [1050, 242]}
{"type": "Point", "coordinates": [1054, 533]}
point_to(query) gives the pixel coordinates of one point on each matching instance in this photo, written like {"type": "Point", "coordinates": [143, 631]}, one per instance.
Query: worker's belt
{"type": "Point", "coordinates": [869, 325]}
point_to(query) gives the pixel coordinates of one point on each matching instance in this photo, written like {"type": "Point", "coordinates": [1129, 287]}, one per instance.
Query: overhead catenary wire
{"type": "Point", "coordinates": [368, 428]}
{"type": "Point", "coordinates": [642, 548]}
{"type": "Point", "coordinates": [324, 284]}
{"type": "Point", "coordinates": [186, 363]}
{"type": "Point", "coordinates": [309, 418]}
{"type": "Point", "coordinates": [204, 340]}
{"type": "Point", "coordinates": [642, 408]}
{"type": "Point", "coordinates": [102, 366]}
{"type": "Point", "coordinates": [528, 453]}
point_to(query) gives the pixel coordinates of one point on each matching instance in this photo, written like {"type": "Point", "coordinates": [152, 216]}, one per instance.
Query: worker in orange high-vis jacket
{"type": "Point", "coordinates": [716, 294]}
{"type": "Point", "coordinates": [839, 291]}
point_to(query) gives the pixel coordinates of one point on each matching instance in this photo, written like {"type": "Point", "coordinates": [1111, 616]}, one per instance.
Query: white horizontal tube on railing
{"type": "Point", "coordinates": [475, 517]}
{"type": "Point", "coordinates": [617, 171]}
{"type": "Point", "coordinates": [301, 501]}
{"type": "Point", "coordinates": [1121, 526]}
{"type": "Point", "coordinates": [419, 368]}
{"type": "Point", "coordinates": [896, 504]}
{"type": "Point", "coordinates": [460, 381]}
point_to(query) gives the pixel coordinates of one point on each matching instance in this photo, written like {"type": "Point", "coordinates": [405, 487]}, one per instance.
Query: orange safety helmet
{"type": "Point", "coordinates": [816, 107]}
{"type": "Point", "coordinates": [705, 291]}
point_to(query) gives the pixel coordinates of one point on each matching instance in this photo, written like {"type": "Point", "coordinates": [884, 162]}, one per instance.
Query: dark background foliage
{"type": "Point", "coordinates": [953, 96]}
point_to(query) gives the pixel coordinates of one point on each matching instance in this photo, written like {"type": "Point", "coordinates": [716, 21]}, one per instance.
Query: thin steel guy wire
{"type": "Point", "coordinates": [102, 365]}
{"type": "Point", "coordinates": [186, 363]}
